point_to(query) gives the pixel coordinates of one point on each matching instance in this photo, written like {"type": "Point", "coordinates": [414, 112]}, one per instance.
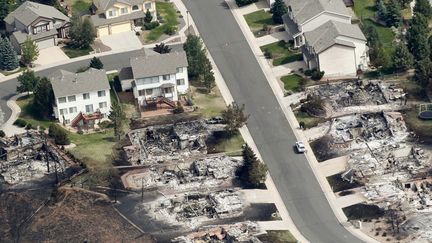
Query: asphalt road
{"type": "Point", "coordinates": [270, 129]}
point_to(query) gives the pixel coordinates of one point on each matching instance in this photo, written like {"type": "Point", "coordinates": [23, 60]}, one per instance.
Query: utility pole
{"type": "Point", "coordinates": [142, 190]}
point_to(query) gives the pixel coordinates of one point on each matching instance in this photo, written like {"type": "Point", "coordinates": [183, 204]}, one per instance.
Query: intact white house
{"type": "Point", "coordinates": [329, 42]}
{"type": "Point", "coordinates": [155, 78]}
{"type": "Point", "coordinates": [81, 99]}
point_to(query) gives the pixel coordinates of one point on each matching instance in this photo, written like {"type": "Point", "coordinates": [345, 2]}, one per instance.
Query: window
{"type": "Point", "coordinates": [112, 13]}
{"type": "Point", "coordinates": [179, 70]}
{"type": "Point", "coordinates": [167, 90]}
{"type": "Point", "coordinates": [86, 96]}
{"type": "Point", "coordinates": [149, 91]}
{"type": "Point", "coordinates": [40, 29]}
{"type": "Point", "coordinates": [166, 77]}
{"type": "Point", "coordinates": [147, 5]}
{"type": "Point", "coordinates": [149, 80]}
{"type": "Point", "coordinates": [180, 81]}
{"type": "Point", "coordinates": [102, 105]}
{"type": "Point", "coordinates": [71, 98]}
{"type": "Point", "coordinates": [141, 92]}
{"type": "Point", "coordinates": [124, 10]}
{"type": "Point", "coordinates": [63, 112]}
{"type": "Point", "coordinates": [89, 108]}
{"type": "Point", "coordinates": [101, 93]}
{"type": "Point", "coordinates": [72, 110]}
{"type": "Point", "coordinates": [289, 9]}
{"type": "Point", "coordinates": [67, 121]}
{"type": "Point", "coordinates": [135, 7]}
{"type": "Point", "coordinates": [62, 100]}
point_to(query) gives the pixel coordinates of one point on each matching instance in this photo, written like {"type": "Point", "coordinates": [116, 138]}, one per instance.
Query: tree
{"type": "Point", "coordinates": [82, 32]}
{"type": "Point", "coordinates": [253, 172]}
{"type": "Point", "coordinates": [30, 51]}
{"type": "Point", "coordinates": [423, 72]}
{"type": "Point", "coordinates": [96, 63]}
{"type": "Point", "coordinates": [43, 97]}
{"type": "Point", "coordinates": [417, 37]}
{"type": "Point", "coordinates": [8, 57]}
{"type": "Point", "coordinates": [242, 3]}
{"type": "Point", "coordinates": [27, 81]}
{"type": "Point", "coordinates": [209, 79]}
{"type": "Point", "coordinates": [234, 117]}
{"type": "Point", "coordinates": [162, 48]}
{"type": "Point", "coordinates": [59, 134]}
{"type": "Point", "coordinates": [381, 10]}
{"type": "Point", "coordinates": [402, 59]}
{"type": "Point", "coordinates": [193, 48]}
{"type": "Point", "coordinates": [278, 9]}
{"type": "Point", "coordinates": [423, 7]}
{"type": "Point", "coordinates": [394, 16]}
{"type": "Point", "coordinates": [148, 17]}
{"type": "Point", "coordinates": [4, 9]}
{"type": "Point", "coordinates": [377, 56]}
{"type": "Point", "coordinates": [117, 116]}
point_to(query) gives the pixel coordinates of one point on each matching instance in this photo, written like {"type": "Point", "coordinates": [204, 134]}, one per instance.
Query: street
{"type": "Point", "coordinates": [294, 179]}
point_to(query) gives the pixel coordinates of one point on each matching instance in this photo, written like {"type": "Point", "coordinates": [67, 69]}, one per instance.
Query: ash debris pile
{"type": "Point", "coordinates": [193, 208]}
{"type": "Point", "coordinates": [204, 173]}
{"type": "Point", "coordinates": [24, 158]}
{"type": "Point", "coordinates": [159, 143]}
{"type": "Point", "coordinates": [239, 232]}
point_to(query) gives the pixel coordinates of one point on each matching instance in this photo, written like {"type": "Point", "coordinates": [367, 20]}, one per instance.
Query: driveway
{"type": "Point", "coordinates": [122, 41]}
{"type": "Point", "coordinates": [50, 55]}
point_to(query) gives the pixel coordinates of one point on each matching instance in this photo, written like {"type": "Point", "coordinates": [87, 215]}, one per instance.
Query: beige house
{"type": "Point", "coordinates": [116, 16]}
{"type": "Point", "coordinates": [42, 23]}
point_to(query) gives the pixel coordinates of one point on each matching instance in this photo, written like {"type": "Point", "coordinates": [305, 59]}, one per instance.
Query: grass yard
{"type": "Point", "coordinates": [28, 112]}
{"type": "Point", "coordinates": [223, 142]}
{"type": "Point", "coordinates": [292, 82]}
{"type": "Point", "coordinates": [420, 127]}
{"type": "Point", "coordinates": [309, 121]}
{"type": "Point", "coordinates": [169, 14]}
{"type": "Point", "coordinates": [278, 236]}
{"type": "Point", "coordinates": [209, 104]}
{"type": "Point", "coordinates": [81, 6]}
{"type": "Point", "coordinates": [282, 53]}
{"type": "Point", "coordinates": [258, 19]}
{"type": "Point", "coordinates": [72, 52]}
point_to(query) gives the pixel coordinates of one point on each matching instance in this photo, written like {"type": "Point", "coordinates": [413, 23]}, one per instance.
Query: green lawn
{"type": "Point", "coordinates": [223, 142]}
{"type": "Point", "coordinates": [278, 236]}
{"type": "Point", "coordinates": [420, 127]}
{"type": "Point", "coordinates": [258, 19]}
{"type": "Point", "coordinates": [81, 6]}
{"type": "Point", "coordinates": [169, 14]}
{"type": "Point", "coordinates": [292, 82]}
{"type": "Point", "coordinates": [28, 112]}
{"type": "Point", "coordinates": [282, 53]}
{"type": "Point", "coordinates": [209, 105]}
{"type": "Point", "coordinates": [72, 53]}
{"type": "Point", "coordinates": [309, 121]}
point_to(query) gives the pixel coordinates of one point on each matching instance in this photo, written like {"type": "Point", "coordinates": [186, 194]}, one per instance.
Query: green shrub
{"type": "Point", "coordinates": [2, 134]}
{"type": "Point", "coordinates": [80, 132]}
{"type": "Point", "coordinates": [104, 124]}
{"type": "Point", "coordinates": [308, 72]}
{"type": "Point", "coordinates": [29, 126]}
{"type": "Point", "coordinates": [20, 123]}
{"type": "Point", "coordinates": [242, 3]}
{"type": "Point", "coordinates": [151, 25]}
{"type": "Point", "coordinates": [317, 75]}
{"type": "Point", "coordinates": [179, 108]}
{"type": "Point", "coordinates": [268, 54]}
{"type": "Point", "coordinates": [59, 134]}
{"type": "Point", "coordinates": [170, 30]}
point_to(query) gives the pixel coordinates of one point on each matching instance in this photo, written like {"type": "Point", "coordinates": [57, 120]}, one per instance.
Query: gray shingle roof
{"type": "Point", "coordinates": [100, 20]}
{"type": "Point", "coordinates": [327, 35]}
{"type": "Point", "coordinates": [304, 10]}
{"type": "Point", "coordinates": [28, 12]}
{"type": "Point", "coordinates": [22, 36]}
{"type": "Point", "coordinates": [103, 5]}
{"type": "Point", "coordinates": [65, 83]}
{"type": "Point", "coordinates": [155, 65]}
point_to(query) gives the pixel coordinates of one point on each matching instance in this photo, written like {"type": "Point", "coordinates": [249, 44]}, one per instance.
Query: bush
{"type": "Point", "coordinates": [137, 33]}
{"type": "Point", "coordinates": [104, 124]}
{"type": "Point", "coordinates": [2, 134]}
{"type": "Point", "coordinates": [268, 54]}
{"type": "Point", "coordinates": [42, 128]}
{"type": "Point", "coordinates": [242, 3]}
{"type": "Point", "coordinates": [20, 123]}
{"type": "Point", "coordinates": [29, 126]}
{"type": "Point", "coordinates": [170, 30]}
{"type": "Point", "coordinates": [179, 108]}
{"type": "Point", "coordinates": [151, 25]}
{"type": "Point", "coordinates": [317, 75]}
{"type": "Point", "coordinates": [80, 132]}
{"type": "Point", "coordinates": [308, 72]}
{"type": "Point", "coordinates": [59, 135]}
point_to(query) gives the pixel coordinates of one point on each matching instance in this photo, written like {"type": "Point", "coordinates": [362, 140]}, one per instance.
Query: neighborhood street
{"type": "Point", "coordinates": [294, 179]}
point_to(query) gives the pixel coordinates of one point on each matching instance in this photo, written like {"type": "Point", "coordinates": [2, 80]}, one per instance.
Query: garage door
{"type": "Point", "coordinates": [103, 31]}
{"type": "Point", "coordinates": [45, 43]}
{"type": "Point", "coordinates": [120, 28]}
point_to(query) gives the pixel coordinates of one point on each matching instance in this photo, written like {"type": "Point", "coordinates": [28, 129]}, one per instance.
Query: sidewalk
{"type": "Point", "coordinates": [331, 197]}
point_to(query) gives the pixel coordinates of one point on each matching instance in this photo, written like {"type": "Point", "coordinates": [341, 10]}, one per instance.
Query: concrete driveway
{"type": "Point", "coordinates": [50, 55]}
{"type": "Point", "coordinates": [122, 41]}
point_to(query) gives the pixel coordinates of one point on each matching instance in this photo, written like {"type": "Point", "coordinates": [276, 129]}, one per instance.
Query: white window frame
{"type": "Point", "coordinates": [145, 5]}
{"type": "Point", "coordinates": [164, 77]}
{"type": "Point", "coordinates": [60, 100]}
{"type": "Point", "coordinates": [180, 81]}
{"type": "Point", "coordinates": [86, 95]}
{"type": "Point", "coordinates": [73, 110]}
{"type": "Point", "coordinates": [124, 10]}
{"type": "Point", "coordinates": [103, 105]}
{"type": "Point", "coordinates": [101, 93]}
{"type": "Point", "coordinates": [179, 70]}
{"type": "Point", "coordinates": [63, 111]}
{"type": "Point", "coordinates": [71, 98]}
{"type": "Point", "coordinates": [87, 110]}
